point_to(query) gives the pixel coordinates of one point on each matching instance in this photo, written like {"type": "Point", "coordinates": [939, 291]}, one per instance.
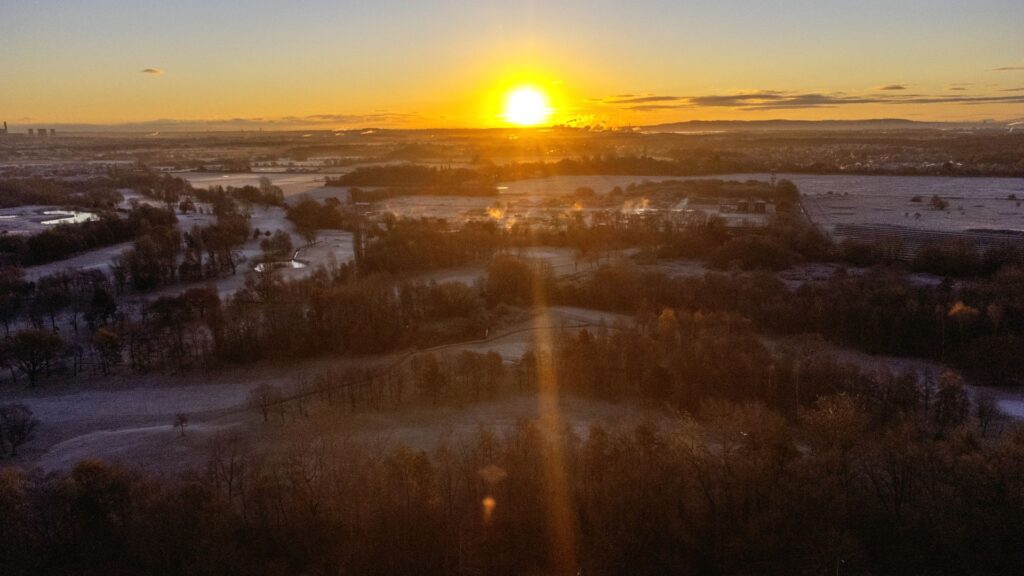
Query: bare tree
{"type": "Point", "coordinates": [32, 351]}
{"type": "Point", "coordinates": [264, 397]}
{"type": "Point", "coordinates": [107, 345]}
{"type": "Point", "coordinates": [951, 403]}
{"type": "Point", "coordinates": [17, 425]}
{"type": "Point", "coordinates": [986, 410]}
{"type": "Point", "coordinates": [180, 421]}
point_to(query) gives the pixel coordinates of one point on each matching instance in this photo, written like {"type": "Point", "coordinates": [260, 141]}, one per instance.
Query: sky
{"type": "Point", "coordinates": [426, 63]}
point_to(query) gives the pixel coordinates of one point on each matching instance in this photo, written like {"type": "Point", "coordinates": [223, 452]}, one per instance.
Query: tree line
{"type": "Point", "coordinates": [94, 193]}
{"type": "Point", "coordinates": [739, 490]}
{"type": "Point", "coordinates": [65, 240]}
{"type": "Point", "coordinates": [977, 325]}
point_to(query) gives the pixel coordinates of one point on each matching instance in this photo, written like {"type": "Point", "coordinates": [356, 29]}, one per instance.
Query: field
{"type": "Point", "coordinates": [973, 203]}
{"type": "Point", "coordinates": [129, 419]}
{"type": "Point", "coordinates": [291, 184]}
{"type": "Point", "coordinates": [828, 199]}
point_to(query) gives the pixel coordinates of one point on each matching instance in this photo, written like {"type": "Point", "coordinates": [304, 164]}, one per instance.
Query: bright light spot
{"type": "Point", "coordinates": [488, 505]}
{"type": "Point", "coordinates": [496, 212]}
{"type": "Point", "coordinates": [526, 106]}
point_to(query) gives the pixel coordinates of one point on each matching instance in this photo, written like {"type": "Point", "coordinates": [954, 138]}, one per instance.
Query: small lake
{"type": "Point", "coordinates": [68, 217]}
{"type": "Point", "coordinates": [279, 264]}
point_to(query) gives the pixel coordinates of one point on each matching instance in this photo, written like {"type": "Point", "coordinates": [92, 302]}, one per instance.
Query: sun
{"type": "Point", "coordinates": [526, 106]}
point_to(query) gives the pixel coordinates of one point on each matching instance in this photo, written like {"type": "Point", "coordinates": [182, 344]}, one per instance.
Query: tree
{"type": "Point", "coordinates": [986, 409]}
{"type": "Point", "coordinates": [12, 292]}
{"type": "Point", "coordinates": [271, 194]}
{"type": "Point", "coordinates": [752, 252]}
{"type": "Point", "coordinates": [53, 294]}
{"type": "Point", "coordinates": [509, 280]}
{"type": "Point", "coordinates": [835, 423]}
{"type": "Point", "coordinates": [33, 350]}
{"type": "Point", "coordinates": [17, 425]}
{"type": "Point", "coordinates": [786, 191]}
{"type": "Point", "coordinates": [951, 402]}
{"type": "Point", "coordinates": [307, 216]}
{"type": "Point", "coordinates": [143, 263]}
{"type": "Point", "coordinates": [108, 348]}
{"type": "Point", "coordinates": [494, 371]}
{"type": "Point", "coordinates": [429, 378]}
{"type": "Point", "coordinates": [180, 421]}
{"type": "Point", "coordinates": [277, 246]}
{"type": "Point", "coordinates": [264, 397]}
{"type": "Point", "coordinates": [102, 307]}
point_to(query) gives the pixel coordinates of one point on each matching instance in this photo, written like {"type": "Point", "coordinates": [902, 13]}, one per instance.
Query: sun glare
{"type": "Point", "coordinates": [526, 106]}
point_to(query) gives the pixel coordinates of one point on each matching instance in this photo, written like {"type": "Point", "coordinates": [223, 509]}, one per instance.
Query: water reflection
{"type": "Point", "coordinates": [69, 217]}
{"type": "Point", "coordinates": [276, 264]}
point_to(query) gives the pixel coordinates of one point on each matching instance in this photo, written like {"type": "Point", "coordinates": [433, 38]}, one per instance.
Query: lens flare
{"type": "Point", "coordinates": [488, 504]}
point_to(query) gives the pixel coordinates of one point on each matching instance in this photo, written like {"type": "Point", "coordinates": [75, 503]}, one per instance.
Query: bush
{"type": "Point", "coordinates": [752, 253]}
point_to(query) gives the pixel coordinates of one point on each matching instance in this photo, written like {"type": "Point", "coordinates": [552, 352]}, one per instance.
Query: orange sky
{"type": "Point", "coordinates": [446, 64]}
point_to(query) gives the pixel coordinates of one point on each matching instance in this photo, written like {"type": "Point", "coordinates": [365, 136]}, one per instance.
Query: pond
{"type": "Point", "coordinates": [278, 264]}
{"type": "Point", "coordinates": [68, 217]}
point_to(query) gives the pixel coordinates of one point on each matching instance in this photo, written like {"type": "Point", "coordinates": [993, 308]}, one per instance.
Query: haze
{"type": "Point", "coordinates": [565, 288]}
{"type": "Point", "coordinates": [445, 64]}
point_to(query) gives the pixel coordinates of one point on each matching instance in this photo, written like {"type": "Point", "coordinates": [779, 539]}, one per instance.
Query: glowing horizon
{"type": "Point", "coordinates": [432, 64]}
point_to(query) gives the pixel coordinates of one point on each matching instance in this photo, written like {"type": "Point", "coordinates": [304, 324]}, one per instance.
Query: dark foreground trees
{"type": "Point", "coordinates": [17, 425]}
{"type": "Point", "coordinates": [32, 352]}
{"type": "Point", "coordinates": [742, 490]}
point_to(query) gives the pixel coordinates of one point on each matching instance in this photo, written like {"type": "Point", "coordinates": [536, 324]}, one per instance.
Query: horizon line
{"type": "Point", "coordinates": [230, 125]}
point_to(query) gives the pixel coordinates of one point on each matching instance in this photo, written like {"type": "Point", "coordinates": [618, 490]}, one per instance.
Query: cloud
{"type": "Point", "coordinates": [1008, 69]}
{"type": "Point", "coordinates": [152, 71]}
{"type": "Point", "coordinates": [377, 118]}
{"type": "Point", "coordinates": [642, 99]}
{"type": "Point", "coordinates": [831, 101]}
{"type": "Point", "coordinates": [781, 100]}
{"type": "Point", "coordinates": [740, 99]}
{"type": "Point", "coordinates": [656, 107]}
{"type": "Point", "coordinates": [893, 87]}
{"type": "Point", "coordinates": [620, 99]}
{"type": "Point", "coordinates": [382, 119]}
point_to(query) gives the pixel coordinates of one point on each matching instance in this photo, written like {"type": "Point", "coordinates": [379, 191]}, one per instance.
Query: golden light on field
{"type": "Point", "coordinates": [526, 106]}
